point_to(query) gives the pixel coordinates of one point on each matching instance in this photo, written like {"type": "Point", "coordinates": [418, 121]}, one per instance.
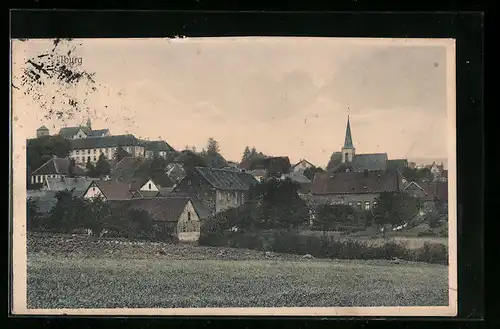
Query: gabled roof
{"type": "Point", "coordinates": [302, 161]}
{"type": "Point", "coordinates": [157, 146]}
{"type": "Point", "coordinates": [165, 191]}
{"type": "Point", "coordinates": [42, 128]}
{"type": "Point", "coordinates": [69, 132]}
{"type": "Point", "coordinates": [298, 178]}
{"type": "Point", "coordinates": [58, 166]}
{"type": "Point", "coordinates": [113, 189]}
{"type": "Point", "coordinates": [98, 133]}
{"type": "Point", "coordinates": [145, 194]}
{"type": "Point", "coordinates": [355, 182]}
{"type": "Point", "coordinates": [106, 141]}
{"type": "Point", "coordinates": [226, 179]}
{"type": "Point", "coordinates": [137, 183]}
{"type": "Point", "coordinates": [78, 184]}
{"type": "Point", "coordinates": [200, 208]}
{"type": "Point", "coordinates": [160, 209]}
{"type": "Point", "coordinates": [370, 162]}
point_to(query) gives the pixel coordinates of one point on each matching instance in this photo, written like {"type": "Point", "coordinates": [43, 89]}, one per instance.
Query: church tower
{"type": "Point", "coordinates": [348, 151]}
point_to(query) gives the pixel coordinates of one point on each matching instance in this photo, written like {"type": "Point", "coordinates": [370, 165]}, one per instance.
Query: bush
{"type": "Point", "coordinates": [324, 247]}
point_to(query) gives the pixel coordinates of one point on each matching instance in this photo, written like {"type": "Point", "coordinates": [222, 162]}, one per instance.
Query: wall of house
{"type": "Point", "coordinates": [93, 192]}
{"type": "Point", "coordinates": [149, 186]}
{"type": "Point", "coordinates": [361, 201]}
{"type": "Point", "coordinates": [188, 226]}
{"type": "Point", "coordinates": [228, 199]}
{"type": "Point", "coordinates": [199, 188]}
{"type": "Point", "coordinates": [82, 156]}
{"type": "Point", "coordinates": [43, 178]}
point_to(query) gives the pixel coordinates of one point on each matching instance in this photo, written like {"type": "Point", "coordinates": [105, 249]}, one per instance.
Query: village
{"type": "Point", "coordinates": [183, 189]}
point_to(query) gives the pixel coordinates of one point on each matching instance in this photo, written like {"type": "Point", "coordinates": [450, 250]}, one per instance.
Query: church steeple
{"type": "Point", "coordinates": [89, 124]}
{"type": "Point", "coordinates": [348, 151]}
{"type": "Point", "coordinates": [348, 137]}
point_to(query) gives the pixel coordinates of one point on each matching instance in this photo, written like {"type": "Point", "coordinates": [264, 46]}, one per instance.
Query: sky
{"type": "Point", "coordinates": [285, 96]}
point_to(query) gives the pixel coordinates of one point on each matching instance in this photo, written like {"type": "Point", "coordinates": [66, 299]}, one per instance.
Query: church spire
{"type": "Point", "coordinates": [89, 124]}
{"type": "Point", "coordinates": [348, 137]}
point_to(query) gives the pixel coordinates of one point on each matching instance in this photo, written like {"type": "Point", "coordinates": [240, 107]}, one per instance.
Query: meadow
{"type": "Point", "coordinates": [79, 272]}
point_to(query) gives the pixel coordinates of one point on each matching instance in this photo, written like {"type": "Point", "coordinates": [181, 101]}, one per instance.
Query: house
{"type": "Point", "coordinates": [76, 184]}
{"type": "Point", "coordinates": [175, 171]}
{"type": "Point", "coordinates": [301, 166]}
{"type": "Point", "coordinates": [89, 149]}
{"type": "Point", "coordinates": [278, 165]}
{"type": "Point", "coordinates": [81, 132]}
{"type": "Point", "coordinates": [122, 189]}
{"type": "Point", "coordinates": [179, 216]}
{"type": "Point", "coordinates": [144, 188]}
{"type": "Point", "coordinates": [367, 161]}
{"type": "Point", "coordinates": [126, 167]}
{"type": "Point", "coordinates": [357, 189]}
{"type": "Point", "coordinates": [157, 149]}
{"type": "Point", "coordinates": [258, 174]}
{"type": "Point", "coordinates": [55, 168]}
{"type": "Point", "coordinates": [218, 189]}
{"type": "Point", "coordinates": [42, 131]}
{"type": "Point", "coordinates": [304, 182]}
{"type": "Point", "coordinates": [431, 193]}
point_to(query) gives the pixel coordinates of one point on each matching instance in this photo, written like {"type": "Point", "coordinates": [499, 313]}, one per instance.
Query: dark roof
{"type": "Point", "coordinates": [78, 184]}
{"type": "Point", "coordinates": [226, 179]}
{"type": "Point", "coordinates": [160, 209]}
{"type": "Point", "coordinates": [298, 178]}
{"type": "Point", "coordinates": [165, 191]}
{"type": "Point", "coordinates": [278, 164]}
{"type": "Point", "coordinates": [175, 171]}
{"type": "Point", "coordinates": [98, 133]}
{"type": "Point", "coordinates": [397, 164]}
{"type": "Point", "coordinates": [348, 137]}
{"type": "Point", "coordinates": [157, 146]}
{"type": "Point", "coordinates": [43, 128]}
{"type": "Point", "coordinates": [69, 132]}
{"type": "Point", "coordinates": [114, 189]}
{"type": "Point", "coordinates": [106, 141]}
{"type": "Point", "coordinates": [356, 182]}
{"type": "Point", "coordinates": [128, 163]}
{"type": "Point", "coordinates": [373, 161]}
{"type": "Point", "coordinates": [58, 166]}
{"type": "Point", "coordinates": [435, 191]}
{"type": "Point", "coordinates": [200, 208]}
{"type": "Point", "coordinates": [146, 194]}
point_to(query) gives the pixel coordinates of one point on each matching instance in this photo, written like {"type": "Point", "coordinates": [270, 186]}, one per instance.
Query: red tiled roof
{"type": "Point", "coordinates": [355, 182]}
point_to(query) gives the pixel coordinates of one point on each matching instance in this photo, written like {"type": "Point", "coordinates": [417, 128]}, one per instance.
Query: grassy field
{"type": "Point", "coordinates": [93, 274]}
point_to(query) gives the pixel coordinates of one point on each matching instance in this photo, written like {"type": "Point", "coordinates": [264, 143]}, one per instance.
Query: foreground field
{"type": "Point", "coordinates": [123, 275]}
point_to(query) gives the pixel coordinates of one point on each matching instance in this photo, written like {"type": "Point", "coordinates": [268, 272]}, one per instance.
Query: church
{"type": "Point", "coordinates": [367, 161]}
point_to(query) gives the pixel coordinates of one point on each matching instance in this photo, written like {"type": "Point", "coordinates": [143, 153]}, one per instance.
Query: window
{"type": "Point", "coordinates": [350, 204]}
{"type": "Point", "coordinates": [375, 203]}
{"type": "Point", "coordinates": [95, 151]}
{"type": "Point", "coordinates": [189, 215]}
{"type": "Point", "coordinates": [149, 186]}
{"type": "Point", "coordinates": [93, 189]}
{"type": "Point", "coordinates": [95, 159]}
{"type": "Point", "coordinates": [77, 151]}
{"type": "Point", "coordinates": [88, 151]}
{"type": "Point", "coordinates": [358, 204]}
{"type": "Point", "coordinates": [367, 205]}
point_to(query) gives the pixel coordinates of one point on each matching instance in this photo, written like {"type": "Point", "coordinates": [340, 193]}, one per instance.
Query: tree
{"type": "Point", "coordinates": [190, 160]}
{"type": "Point", "coordinates": [395, 209]}
{"type": "Point", "coordinates": [120, 153]}
{"type": "Point", "coordinates": [102, 166]}
{"type": "Point", "coordinates": [311, 172]}
{"type": "Point", "coordinates": [32, 214]}
{"type": "Point", "coordinates": [212, 146]}
{"type": "Point", "coordinates": [335, 160]}
{"type": "Point", "coordinates": [60, 217]}
{"type": "Point", "coordinates": [332, 217]}
{"type": "Point", "coordinates": [40, 150]}
{"type": "Point", "coordinates": [99, 215]}
{"type": "Point", "coordinates": [246, 154]}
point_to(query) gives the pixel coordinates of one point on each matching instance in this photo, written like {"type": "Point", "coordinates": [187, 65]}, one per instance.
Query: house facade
{"type": "Point", "coordinates": [218, 189]}
{"type": "Point", "coordinates": [122, 189]}
{"type": "Point", "coordinates": [180, 217]}
{"type": "Point", "coordinates": [301, 166]}
{"type": "Point", "coordinates": [357, 189]}
{"type": "Point", "coordinates": [157, 149]}
{"type": "Point", "coordinates": [89, 149]}
{"type": "Point", "coordinates": [55, 168]}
